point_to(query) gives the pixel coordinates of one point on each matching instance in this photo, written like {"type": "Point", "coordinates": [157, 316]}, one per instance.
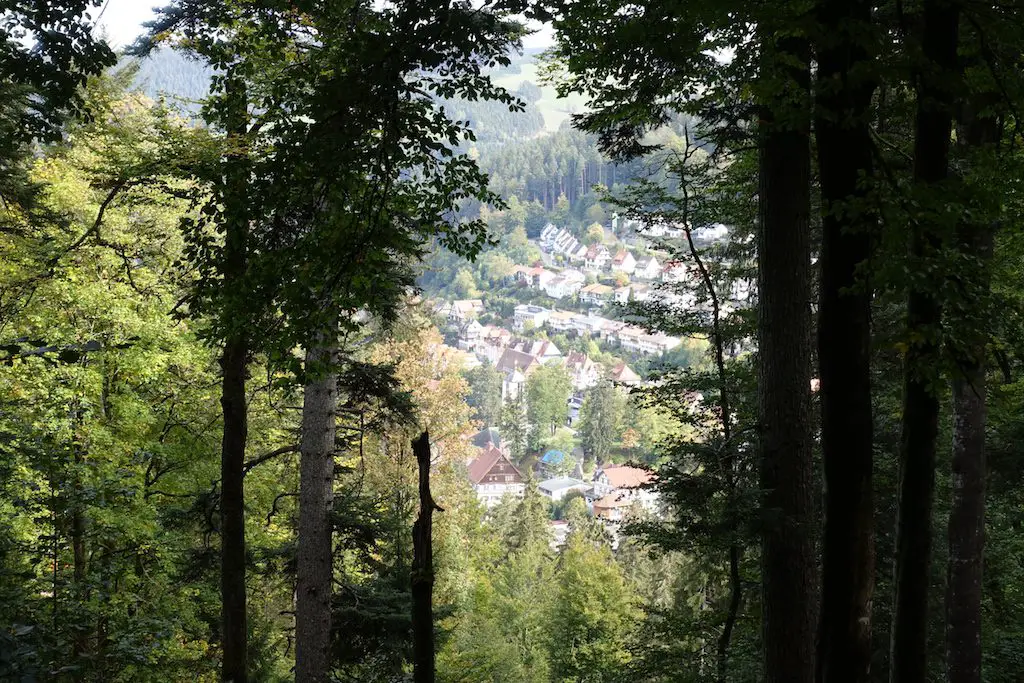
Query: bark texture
{"type": "Point", "coordinates": [920, 426]}
{"type": "Point", "coordinates": [966, 530]}
{"type": "Point", "coordinates": [316, 498]}
{"type": "Point", "coordinates": [843, 97]}
{"type": "Point", "coordinates": [234, 363]}
{"type": "Point", "coordinates": [423, 569]}
{"type": "Point", "coordinates": [784, 361]}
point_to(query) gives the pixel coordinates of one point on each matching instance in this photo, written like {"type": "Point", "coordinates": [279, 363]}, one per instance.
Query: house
{"type": "Point", "coordinates": [618, 487]}
{"type": "Point", "coordinates": [560, 530]}
{"type": "Point", "coordinates": [636, 339]}
{"type": "Point", "coordinates": [622, 374]}
{"type": "Point", "coordinates": [610, 329]}
{"type": "Point", "coordinates": [492, 343]}
{"type": "Point", "coordinates": [596, 294]}
{"type": "Point", "coordinates": [494, 476]}
{"type": "Point", "coordinates": [674, 271]}
{"type": "Point", "coordinates": [621, 295]}
{"type": "Point", "coordinates": [588, 324]}
{"type": "Point", "coordinates": [469, 336]}
{"type": "Point", "coordinates": [584, 372]}
{"type": "Point", "coordinates": [554, 463]}
{"type": "Point", "coordinates": [516, 366]}
{"type": "Point", "coordinates": [538, 277]}
{"type": "Point", "coordinates": [561, 287]}
{"type": "Point", "coordinates": [488, 435]}
{"type": "Point", "coordinates": [597, 257]}
{"type": "Point", "coordinates": [528, 313]}
{"type": "Point", "coordinates": [543, 349]}
{"type": "Point", "coordinates": [623, 262]}
{"type": "Point", "coordinates": [565, 243]}
{"type": "Point", "coordinates": [647, 268]}
{"type": "Point", "coordinates": [547, 236]}
{"type": "Point", "coordinates": [640, 291]}
{"type": "Point", "coordinates": [579, 255]}
{"type": "Point", "coordinates": [565, 284]}
{"type": "Point", "coordinates": [462, 310]}
{"type": "Point", "coordinates": [558, 488]}
{"type": "Point", "coordinates": [560, 321]}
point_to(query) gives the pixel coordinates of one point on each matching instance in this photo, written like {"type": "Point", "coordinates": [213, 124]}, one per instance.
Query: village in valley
{"type": "Point", "coordinates": [560, 329]}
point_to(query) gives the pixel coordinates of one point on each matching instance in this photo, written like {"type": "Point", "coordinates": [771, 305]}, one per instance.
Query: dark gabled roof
{"type": "Point", "coordinates": [486, 436]}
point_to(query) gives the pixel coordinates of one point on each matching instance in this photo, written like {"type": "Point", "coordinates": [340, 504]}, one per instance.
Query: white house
{"type": "Point", "coordinates": [462, 310]}
{"type": "Point", "coordinates": [584, 372]}
{"type": "Point", "coordinates": [623, 374]}
{"type": "Point", "coordinates": [588, 324]}
{"type": "Point", "coordinates": [558, 488]}
{"type": "Point", "coordinates": [623, 262]}
{"type": "Point", "coordinates": [516, 366]}
{"type": "Point", "coordinates": [494, 476]}
{"type": "Point", "coordinates": [640, 291]}
{"type": "Point", "coordinates": [618, 487]}
{"type": "Point", "coordinates": [469, 336]}
{"type": "Point", "coordinates": [528, 313]}
{"type": "Point", "coordinates": [636, 339]}
{"type": "Point", "coordinates": [621, 294]}
{"type": "Point", "coordinates": [647, 268]}
{"type": "Point", "coordinates": [560, 321]}
{"type": "Point", "coordinates": [561, 287]}
{"type": "Point", "coordinates": [596, 294]}
{"type": "Point", "coordinates": [543, 349]}
{"type": "Point", "coordinates": [596, 257]}
{"type": "Point", "coordinates": [547, 236]}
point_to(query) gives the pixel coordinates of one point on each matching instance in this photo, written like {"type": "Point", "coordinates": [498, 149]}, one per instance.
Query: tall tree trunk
{"type": "Point", "coordinates": [843, 97]}
{"type": "Point", "coordinates": [234, 363]}
{"type": "Point", "coordinates": [920, 424]}
{"type": "Point", "coordinates": [966, 530]}
{"type": "Point", "coordinates": [423, 569]}
{"type": "Point", "coordinates": [316, 496]}
{"type": "Point", "coordinates": [784, 377]}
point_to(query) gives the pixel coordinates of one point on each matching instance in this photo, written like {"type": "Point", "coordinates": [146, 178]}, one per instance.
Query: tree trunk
{"type": "Point", "coordinates": [234, 362]}
{"type": "Point", "coordinates": [784, 361]}
{"type": "Point", "coordinates": [316, 496]}
{"type": "Point", "coordinates": [423, 570]}
{"type": "Point", "coordinates": [967, 513]}
{"type": "Point", "coordinates": [920, 402]}
{"type": "Point", "coordinates": [844, 341]}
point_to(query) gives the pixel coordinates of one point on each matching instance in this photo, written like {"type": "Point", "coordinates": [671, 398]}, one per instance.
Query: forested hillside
{"type": "Point", "coordinates": [348, 341]}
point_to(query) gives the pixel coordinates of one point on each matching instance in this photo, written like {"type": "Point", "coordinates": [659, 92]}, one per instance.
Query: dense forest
{"type": "Point", "coordinates": [240, 432]}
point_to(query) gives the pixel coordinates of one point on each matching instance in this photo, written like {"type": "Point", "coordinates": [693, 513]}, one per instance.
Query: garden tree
{"type": "Point", "coordinates": [594, 234]}
{"type": "Point", "coordinates": [547, 395]}
{"type": "Point", "coordinates": [592, 613]}
{"type": "Point", "coordinates": [464, 285]}
{"type": "Point", "coordinates": [600, 423]}
{"type": "Point", "coordinates": [515, 430]}
{"type": "Point", "coordinates": [485, 383]}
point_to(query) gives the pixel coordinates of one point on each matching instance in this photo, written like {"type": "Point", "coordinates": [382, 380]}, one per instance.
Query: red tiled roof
{"type": "Point", "coordinates": [612, 500]}
{"type": "Point", "coordinates": [484, 462]}
{"type": "Point", "coordinates": [626, 477]}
